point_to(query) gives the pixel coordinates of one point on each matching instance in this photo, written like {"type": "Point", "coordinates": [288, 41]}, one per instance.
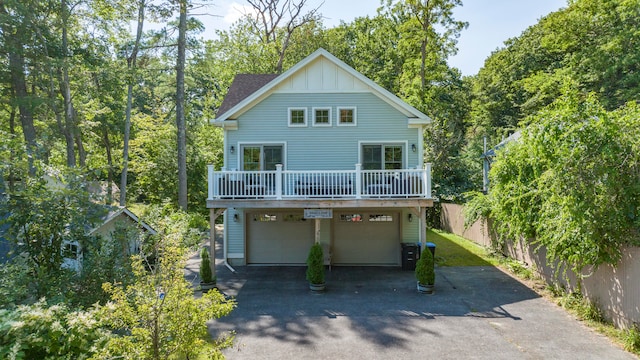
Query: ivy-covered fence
{"type": "Point", "coordinates": [615, 289]}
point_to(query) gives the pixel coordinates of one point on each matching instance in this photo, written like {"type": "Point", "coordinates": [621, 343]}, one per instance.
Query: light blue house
{"type": "Point", "coordinates": [320, 154]}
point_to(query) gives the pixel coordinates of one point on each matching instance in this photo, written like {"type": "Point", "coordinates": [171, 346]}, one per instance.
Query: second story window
{"type": "Point", "coordinates": [321, 116]}
{"type": "Point", "coordinates": [347, 116]}
{"type": "Point", "coordinates": [297, 117]}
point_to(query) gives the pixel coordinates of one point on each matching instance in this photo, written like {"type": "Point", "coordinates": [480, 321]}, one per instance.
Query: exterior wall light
{"type": "Point", "coordinates": [236, 217]}
{"type": "Point", "coordinates": [414, 148]}
{"type": "Point", "coordinates": [410, 217]}
{"type": "Point", "coordinates": [233, 149]}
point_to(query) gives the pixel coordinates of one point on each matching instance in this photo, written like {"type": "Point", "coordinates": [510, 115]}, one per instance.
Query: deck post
{"type": "Point", "coordinates": [426, 180]}
{"type": "Point", "coordinates": [423, 228]}
{"type": "Point", "coordinates": [279, 181]}
{"type": "Point", "coordinates": [358, 181]}
{"type": "Point", "coordinates": [317, 233]}
{"type": "Point", "coordinates": [211, 182]}
{"type": "Point", "coordinates": [212, 240]}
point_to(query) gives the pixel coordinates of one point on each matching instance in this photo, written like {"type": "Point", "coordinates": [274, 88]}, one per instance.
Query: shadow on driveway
{"type": "Point", "coordinates": [380, 303]}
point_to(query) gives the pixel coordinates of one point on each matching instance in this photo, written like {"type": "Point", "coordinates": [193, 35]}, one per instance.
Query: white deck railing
{"type": "Point", "coordinates": [320, 184]}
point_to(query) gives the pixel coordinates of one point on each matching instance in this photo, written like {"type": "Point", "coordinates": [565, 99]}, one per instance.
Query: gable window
{"type": "Point", "coordinates": [297, 117]}
{"type": "Point", "coordinates": [382, 157]}
{"type": "Point", "coordinates": [321, 116]}
{"type": "Point", "coordinates": [347, 116]}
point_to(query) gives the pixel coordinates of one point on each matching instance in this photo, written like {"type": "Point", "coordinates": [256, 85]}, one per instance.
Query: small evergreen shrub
{"type": "Point", "coordinates": [315, 265]}
{"type": "Point", "coordinates": [205, 266]}
{"type": "Point", "coordinates": [425, 272]}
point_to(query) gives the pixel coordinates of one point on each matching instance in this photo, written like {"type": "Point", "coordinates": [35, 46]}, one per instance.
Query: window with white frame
{"type": "Point", "coordinates": [347, 116]}
{"type": "Point", "coordinates": [297, 117]}
{"type": "Point", "coordinates": [321, 116]}
{"type": "Point", "coordinates": [382, 156]}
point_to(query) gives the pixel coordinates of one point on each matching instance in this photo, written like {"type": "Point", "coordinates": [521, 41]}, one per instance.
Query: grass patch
{"type": "Point", "coordinates": [453, 250]}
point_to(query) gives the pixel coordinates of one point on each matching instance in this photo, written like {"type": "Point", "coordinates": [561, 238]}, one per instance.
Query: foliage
{"type": "Point", "coordinates": [186, 227]}
{"type": "Point", "coordinates": [15, 283]}
{"type": "Point", "coordinates": [42, 219]}
{"type": "Point", "coordinates": [205, 266]}
{"type": "Point", "coordinates": [157, 316]}
{"type": "Point", "coordinates": [107, 261]}
{"type": "Point", "coordinates": [632, 339]}
{"type": "Point", "coordinates": [39, 331]}
{"type": "Point", "coordinates": [571, 183]}
{"type": "Point", "coordinates": [315, 265]}
{"type": "Point", "coordinates": [476, 208]}
{"type": "Point", "coordinates": [425, 272]}
{"type": "Point", "coordinates": [591, 44]}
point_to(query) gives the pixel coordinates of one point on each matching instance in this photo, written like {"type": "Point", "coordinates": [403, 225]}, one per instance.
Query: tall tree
{"type": "Point", "coordinates": [180, 104]}
{"type": "Point", "coordinates": [131, 66]}
{"type": "Point", "coordinates": [277, 20]}
{"type": "Point", "coordinates": [15, 31]}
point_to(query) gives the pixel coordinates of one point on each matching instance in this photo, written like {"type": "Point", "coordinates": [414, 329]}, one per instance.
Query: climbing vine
{"type": "Point", "coordinates": [571, 184]}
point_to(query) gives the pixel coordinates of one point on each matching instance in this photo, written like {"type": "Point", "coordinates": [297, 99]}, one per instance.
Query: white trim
{"type": "Point", "coordinates": [376, 89]}
{"type": "Point", "coordinates": [355, 115]}
{"type": "Point", "coordinates": [313, 114]}
{"type": "Point", "coordinates": [304, 110]}
{"type": "Point", "coordinates": [404, 143]}
{"type": "Point", "coordinates": [420, 146]}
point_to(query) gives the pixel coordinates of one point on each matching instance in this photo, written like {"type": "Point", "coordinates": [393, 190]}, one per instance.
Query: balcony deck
{"type": "Point", "coordinates": [320, 189]}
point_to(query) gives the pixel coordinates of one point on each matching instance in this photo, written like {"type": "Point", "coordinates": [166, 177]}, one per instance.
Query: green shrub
{"type": "Point", "coordinates": [205, 266]}
{"type": "Point", "coordinates": [39, 331]}
{"type": "Point", "coordinates": [315, 265]}
{"type": "Point", "coordinates": [425, 272]}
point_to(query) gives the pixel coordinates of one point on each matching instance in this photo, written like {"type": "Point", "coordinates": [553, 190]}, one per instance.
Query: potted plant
{"type": "Point", "coordinates": [425, 272]}
{"type": "Point", "coordinates": [207, 281]}
{"type": "Point", "coordinates": [315, 268]}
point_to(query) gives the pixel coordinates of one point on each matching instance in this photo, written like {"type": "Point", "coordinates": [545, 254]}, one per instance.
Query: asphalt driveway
{"type": "Point", "coordinates": [376, 313]}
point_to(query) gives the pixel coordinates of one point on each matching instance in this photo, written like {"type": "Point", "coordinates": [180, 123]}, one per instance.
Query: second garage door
{"type": "Point", "coordinates": [366, 238]}
{"type": "Point", "coordinates": [278, 238]}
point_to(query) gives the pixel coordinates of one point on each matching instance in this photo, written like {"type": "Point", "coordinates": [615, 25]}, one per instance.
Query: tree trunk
{"type": "Point", "coordinates": [131, 66]}
{"type": "Point", "coordinates": [180, 117]}
{"type": "Point", "coordinates": [12, 131]}
{"type": "Point", "coordinates": [110, 177]}
{"type": "Point", "coordinates": [19, 84]}
{"type": "Point", "coordinates": [65, 90]}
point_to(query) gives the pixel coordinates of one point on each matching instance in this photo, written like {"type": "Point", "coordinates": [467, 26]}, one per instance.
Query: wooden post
{"type": "Point", "coordinates": [423, 227]}
{"type": "Point", "coordinates": [212, 241]}
{"type": "Point", "coordinates": [317, 237]}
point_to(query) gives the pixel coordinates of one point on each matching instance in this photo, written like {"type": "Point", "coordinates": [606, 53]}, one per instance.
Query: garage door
{"type": "Point", "coordinates": [366, 238]}
{"type": "Point", "coordinates": [278, 238]}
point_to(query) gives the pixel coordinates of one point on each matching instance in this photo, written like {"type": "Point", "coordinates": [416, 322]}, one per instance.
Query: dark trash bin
{"type": "Point", "coordinates": [432, 247]}
{"type": "Point", "coordinates": [409, 256]}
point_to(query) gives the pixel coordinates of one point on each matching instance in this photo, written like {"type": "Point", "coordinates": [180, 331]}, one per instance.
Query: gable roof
{"type": "Point", "coordinates": [492, 152]}
{"type": "Point", "coordinates": [244, 99]}
{"type": "Point", "coordinates": [113, 214]}
{"type": "Point", "coordinates": [242, 86]}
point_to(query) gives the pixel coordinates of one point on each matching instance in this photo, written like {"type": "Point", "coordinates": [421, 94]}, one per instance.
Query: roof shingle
{"type": "Point", "coordinates": [243, 86]}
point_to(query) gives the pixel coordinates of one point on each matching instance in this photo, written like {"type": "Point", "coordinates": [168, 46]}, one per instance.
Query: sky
{"type": "Point", "coordinates": [491, 22]}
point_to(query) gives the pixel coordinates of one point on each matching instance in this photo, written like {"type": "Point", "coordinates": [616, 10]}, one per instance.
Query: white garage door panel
{"type": "Point", "coordinates": [278, 238]}
{"type": "Point", "coordinates": [373, 238]}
